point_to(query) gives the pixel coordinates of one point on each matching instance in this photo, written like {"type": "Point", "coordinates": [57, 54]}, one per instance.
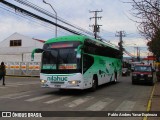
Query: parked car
{"type": "Point", "coordinates": [143, 74]}
{"type": "Point", "coordinates": [125, 72]}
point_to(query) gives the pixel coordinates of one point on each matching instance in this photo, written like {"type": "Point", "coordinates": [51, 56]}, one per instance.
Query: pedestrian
{"type": "Point", "coordinates": [2, 72]}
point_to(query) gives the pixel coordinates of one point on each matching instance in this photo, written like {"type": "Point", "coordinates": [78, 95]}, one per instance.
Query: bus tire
{"type": "Point", "coordinates": [94, 84]}
{"type": "Point", "coordinates": [115, 80]}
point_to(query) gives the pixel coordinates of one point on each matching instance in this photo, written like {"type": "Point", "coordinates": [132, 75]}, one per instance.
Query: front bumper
{"type": "Point", "coordinates": [65, 85]}
{"type": "Point", "coordinates": [136, 79]}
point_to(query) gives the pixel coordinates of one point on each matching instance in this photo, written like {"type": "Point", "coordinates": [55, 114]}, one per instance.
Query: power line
{"type": "Point", "coordinates": [30, 19]}
{"type": "Point", "coordinates": [35, 16]}
{"type": "Point", "coordinates": [41, 10]}
{"type": "Point", "coordinates": [45, 25]}
{"type": "Point", "coordinates": [30, 14]}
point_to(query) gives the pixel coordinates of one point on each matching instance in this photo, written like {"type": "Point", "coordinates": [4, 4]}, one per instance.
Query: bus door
{"type": "Point", "coordinates": [87, 70]}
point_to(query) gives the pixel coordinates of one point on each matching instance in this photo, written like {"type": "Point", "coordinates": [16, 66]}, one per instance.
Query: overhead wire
{"type": "Point", "coordinates": [28, 13]}
{"type": "Point", "coordinates": [44, 25]}
{"type": "Point", "coordinates": [41, 10]}
{"type": "Point", "coordinates": [34, 16]}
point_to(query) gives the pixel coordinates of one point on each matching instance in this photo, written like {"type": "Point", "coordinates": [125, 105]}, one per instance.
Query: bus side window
{"type": "Point", "coordinates": [87, 62]}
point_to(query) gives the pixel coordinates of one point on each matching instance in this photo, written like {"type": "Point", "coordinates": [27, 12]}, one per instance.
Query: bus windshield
{"type": "Point", "coordinates": [60, 58]}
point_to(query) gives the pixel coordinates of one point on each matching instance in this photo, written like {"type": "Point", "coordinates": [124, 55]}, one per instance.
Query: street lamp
{"type": "Point", "coordinates": [55, 14]}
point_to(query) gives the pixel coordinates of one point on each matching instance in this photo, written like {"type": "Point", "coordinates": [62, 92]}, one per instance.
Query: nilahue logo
{"type": "Point", "coordinates": [57, 78]}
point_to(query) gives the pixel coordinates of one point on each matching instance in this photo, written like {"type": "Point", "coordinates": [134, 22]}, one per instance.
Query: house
{"type": "Point", "coordinates": [18, 48]}
{"type": "Point", "coordinates": [15, 52]}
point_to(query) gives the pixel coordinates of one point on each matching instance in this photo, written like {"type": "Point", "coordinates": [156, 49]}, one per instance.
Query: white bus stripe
{"type": "Point", "coordinates": [78, 101]}
{"type": "Point", "coordinates": [37, 98]}
{"type": "Point", "coordinates": [56, 100]}
{"type": "Point", "coordinates": [100, 104]}
{"type": "Point", "coordinates": [125, 106]}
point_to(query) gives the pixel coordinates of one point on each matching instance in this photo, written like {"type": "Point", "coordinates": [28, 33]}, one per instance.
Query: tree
{"type": "Point", "coordinates": [148, 14]}
{"type": "Point", "coordinates": [120, 44]}
{"type": "Point", "coordinates": [154, 45]}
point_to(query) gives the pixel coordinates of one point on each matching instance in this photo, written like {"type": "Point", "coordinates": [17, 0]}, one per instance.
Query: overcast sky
{"type": "Point", "coordinates": [115, 17]}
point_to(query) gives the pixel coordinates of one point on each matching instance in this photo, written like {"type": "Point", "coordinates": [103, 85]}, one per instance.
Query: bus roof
{"type": "Point", "coordinates": [77, 38]}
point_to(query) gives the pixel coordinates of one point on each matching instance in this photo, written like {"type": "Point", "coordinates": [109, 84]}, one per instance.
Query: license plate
{"type": "Point", "coordinates": [141, 78]}
{"type": "Point", "coordinates": [57, 86]}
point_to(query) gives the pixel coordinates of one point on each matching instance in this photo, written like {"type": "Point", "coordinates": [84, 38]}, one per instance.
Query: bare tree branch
{"type": "Point", "coordinates": [148, 14]}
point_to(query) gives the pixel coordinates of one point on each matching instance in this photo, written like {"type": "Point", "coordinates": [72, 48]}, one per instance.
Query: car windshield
{"type": "Point", "coordinates": [142, 69]}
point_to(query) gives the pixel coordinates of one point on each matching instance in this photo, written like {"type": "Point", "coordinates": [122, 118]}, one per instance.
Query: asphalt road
{"type": "Point", "coordinates": [25, 94]}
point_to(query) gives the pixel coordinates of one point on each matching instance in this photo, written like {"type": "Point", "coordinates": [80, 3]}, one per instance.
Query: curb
{"type": "Point", "coordinates": [150, 102]}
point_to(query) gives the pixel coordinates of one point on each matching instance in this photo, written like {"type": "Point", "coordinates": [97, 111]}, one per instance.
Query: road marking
{"type": "Point", "coordinates": [125, 106]}
{"type": "Point", "coordinates": [16, 85]}
{"type": "Point", "coordinates": [18, 97]}
{"type": "Point", "coordinates": [78, 101]}
{"type": "Point", "coordinates": [3, 87]}
{"type": "Point", "coordinates": [10, 85]}
{"type": "Point", "coordinates": [22, 83]}
{"type": "Point", "coordinates": [38, 98]}
{"type": "Point", "coordinates": [100, 104]}
{"type": "Point", "coordinates": [14, 94]}
{"type": "Point", "coordinates": [56, 100]}
{"type": "Point", "coordinates": [150, 102]}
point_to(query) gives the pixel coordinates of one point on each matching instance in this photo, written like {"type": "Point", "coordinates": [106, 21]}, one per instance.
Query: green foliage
{"type": "Point", "coordinates": [120, 44]}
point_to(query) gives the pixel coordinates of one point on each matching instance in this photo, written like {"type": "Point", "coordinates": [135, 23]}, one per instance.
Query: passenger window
{"type": "Point", "coordinates": [87, 62]}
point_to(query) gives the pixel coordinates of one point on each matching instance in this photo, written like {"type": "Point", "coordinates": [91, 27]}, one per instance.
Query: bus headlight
{"type": "Point", "coordinates": [43, 81]}
{"type": "Point", "coordinates": [74, 82]}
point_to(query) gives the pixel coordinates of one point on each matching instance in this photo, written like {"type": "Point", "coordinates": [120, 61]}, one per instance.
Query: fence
{"type": "Point", "coordinates": [23, 68]}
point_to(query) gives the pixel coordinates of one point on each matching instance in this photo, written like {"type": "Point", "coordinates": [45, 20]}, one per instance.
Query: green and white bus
{"type": "Point", "coordinates": [78, 62]}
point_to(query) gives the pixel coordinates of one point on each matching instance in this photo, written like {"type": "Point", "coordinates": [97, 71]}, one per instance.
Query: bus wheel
{"type": "Point", "coordinates": [115, 78]}
{"type": "Point", "coordinates": [94, 85]}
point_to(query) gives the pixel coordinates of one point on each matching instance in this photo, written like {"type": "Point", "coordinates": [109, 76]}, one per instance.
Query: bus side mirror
{"type": "Point", "coordinates": [37, 50]}
{"type": "Point", "coordinates": [78, 55]}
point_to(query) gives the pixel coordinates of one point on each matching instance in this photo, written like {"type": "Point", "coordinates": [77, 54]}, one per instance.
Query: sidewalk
{"type": "Point", "coordinates": [155, 100]}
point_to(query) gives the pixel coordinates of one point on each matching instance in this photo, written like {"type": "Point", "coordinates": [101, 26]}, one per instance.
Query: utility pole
{"type": "Point", "coordinates": [138, 53]}
{"type": "Point", "coordinates": [120, 34]}
{"type": "Point", "coordinates": [96, 27]}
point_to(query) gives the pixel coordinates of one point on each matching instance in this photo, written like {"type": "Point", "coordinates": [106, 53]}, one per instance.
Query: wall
{"type": "Point", "coordinates": [23, 68]}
